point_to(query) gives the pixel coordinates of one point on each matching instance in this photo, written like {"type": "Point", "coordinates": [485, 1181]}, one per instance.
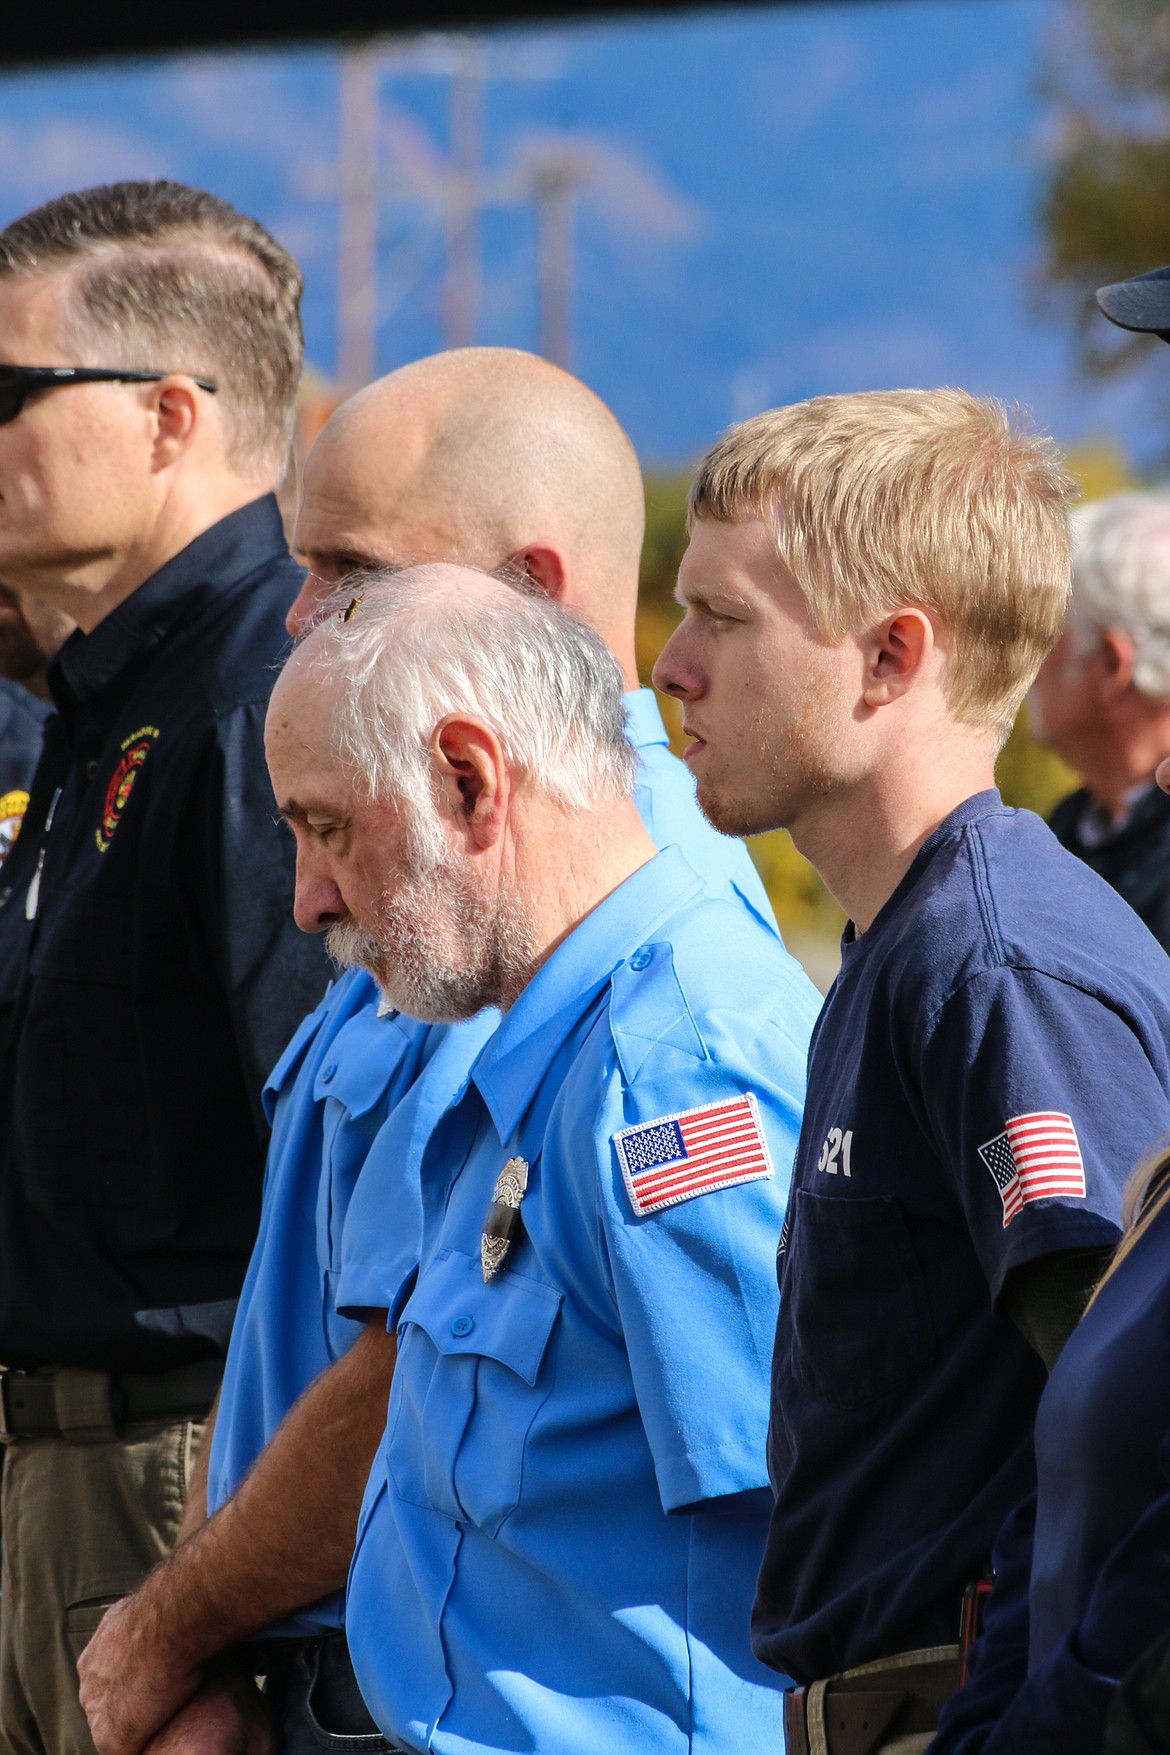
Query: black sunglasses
{"type": "Point", "coordinates": [18, 382]}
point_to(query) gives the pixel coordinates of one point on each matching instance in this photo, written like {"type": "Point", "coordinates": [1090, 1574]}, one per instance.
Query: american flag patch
{"type": "Point", "coordinates": [679, 1156]}
{"type": "Point", "coordinates": [1036, 1157]}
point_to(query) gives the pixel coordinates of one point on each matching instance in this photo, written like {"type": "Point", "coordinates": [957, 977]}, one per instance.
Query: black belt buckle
{"type": "Point", "coordinates": [15, 1421]}
{"type": "Point", "coordinates": [6, 1433]}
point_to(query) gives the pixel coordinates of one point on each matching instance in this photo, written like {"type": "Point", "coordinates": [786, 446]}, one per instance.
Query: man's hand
{"type": "Point", "coordinates": [228, 1716]}
{"type": "Point", "coordinates": [283, 1540]}
{"type": "Point", "coordinates": [129, 1688]}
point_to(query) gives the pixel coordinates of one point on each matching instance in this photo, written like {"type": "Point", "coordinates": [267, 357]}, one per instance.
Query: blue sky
{"type": "Point", "coordinates": [778, 202]}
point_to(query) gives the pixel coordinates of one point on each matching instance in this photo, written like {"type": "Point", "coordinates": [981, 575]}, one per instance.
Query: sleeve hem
{"type": "Point", "coordinates": [710, 1474]}
{"type": "Point", "coordinates": [1062, 1229]}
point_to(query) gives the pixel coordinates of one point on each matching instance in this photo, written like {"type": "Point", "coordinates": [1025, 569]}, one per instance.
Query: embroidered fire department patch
{"type": "Point", "coordinates": [679, 1156]}
{"type": "Point", "coordinates": [135, 750]}
{"type": "Point", "coordinates": [12, 808]}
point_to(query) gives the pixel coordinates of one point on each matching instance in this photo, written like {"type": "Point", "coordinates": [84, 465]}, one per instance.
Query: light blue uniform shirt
{"type": "Point", "coordinates": [344, 1071]}
{"type": "Point", "coordinates": [329, 1094]}
{"type": "Point", "coordinates": [560, 1536]}
{"type": "Point", "coordinates": [665, 798]}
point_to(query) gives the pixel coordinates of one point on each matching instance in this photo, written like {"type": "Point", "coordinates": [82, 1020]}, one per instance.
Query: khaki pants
{"type": "Point", "coordinates": [80, 1526]}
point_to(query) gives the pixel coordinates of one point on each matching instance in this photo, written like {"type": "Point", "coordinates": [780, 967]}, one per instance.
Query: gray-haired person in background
{"type": "Point", "coordinates": [1102, 700]}
{"type": "Point", "coordinates": [150, 971]}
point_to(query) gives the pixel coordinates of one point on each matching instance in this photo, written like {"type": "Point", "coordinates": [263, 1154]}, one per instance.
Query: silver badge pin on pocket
{"type": "Point", "coordinates": [501, 1225]}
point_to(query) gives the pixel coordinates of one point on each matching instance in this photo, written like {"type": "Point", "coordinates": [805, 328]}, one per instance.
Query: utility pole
{"type": "Point", "coordinates": [556, 180]}
{"type": "Point", "coordinates": [357, 256]}
{"type": "Point", "coordinates": [461, 190]}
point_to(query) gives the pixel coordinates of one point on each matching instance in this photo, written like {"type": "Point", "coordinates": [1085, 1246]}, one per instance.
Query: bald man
{"type": "Point", "coordinates": [489, 457]}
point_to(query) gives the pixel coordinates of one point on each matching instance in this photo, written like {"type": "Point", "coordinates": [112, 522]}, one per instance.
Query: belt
{"type": "Point", "coordinates": [87, 1407]}
{"type": "Point", "coordinates": [857, 1712]}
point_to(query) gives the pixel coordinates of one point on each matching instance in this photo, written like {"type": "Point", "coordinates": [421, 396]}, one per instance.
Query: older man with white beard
{"type": "Point", "coordinates": [561, 1529]}
{"type": "Point", "coordinates": [497, 458]}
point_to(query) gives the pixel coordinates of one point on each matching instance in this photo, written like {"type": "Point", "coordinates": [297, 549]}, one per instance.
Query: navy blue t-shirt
{"type": "Point", "coordinates": [989, 1065]}
{"type": "Point", "coordinates": [1083, 1569]}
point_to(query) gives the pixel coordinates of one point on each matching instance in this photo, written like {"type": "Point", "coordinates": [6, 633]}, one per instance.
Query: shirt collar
{"type": "Point", "coordinates": [980, 804]}
{"type": "Point", "coordinates": [509, 1072]}
{"type": "Point", "coordinates": [1097, 827]}
{"type": "Point", "coordinates": [644, 719]}
{"type": "Point", "coordinates": [219, 558]}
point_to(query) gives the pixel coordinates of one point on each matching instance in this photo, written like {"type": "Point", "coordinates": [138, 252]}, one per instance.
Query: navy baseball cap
{"type": "Point", "coordinates": [1140, 303]}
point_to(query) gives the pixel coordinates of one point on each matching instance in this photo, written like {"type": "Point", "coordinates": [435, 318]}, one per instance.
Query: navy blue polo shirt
{"type": "Point", "coordinates": [1083, 1569]}
{"type": "Point", "coordinates": [988, 1067]}
{"type": "Point", "coordinates": [150, 969]}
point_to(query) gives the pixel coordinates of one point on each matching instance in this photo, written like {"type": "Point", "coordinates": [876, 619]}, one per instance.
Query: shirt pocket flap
{"type": "Point", "coordinates": [286, 1067]}
{"type": "Point", "coordinates": [510, 1319]}
{"type": "Point", "coordinates": [361, 1060]}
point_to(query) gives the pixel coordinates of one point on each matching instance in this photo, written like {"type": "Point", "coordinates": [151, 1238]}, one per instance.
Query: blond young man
{"type": "Point", "coordinates": [871, 584]}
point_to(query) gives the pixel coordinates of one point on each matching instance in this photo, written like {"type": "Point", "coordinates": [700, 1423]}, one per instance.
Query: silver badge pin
{"type": "Point", "coordinates": [502, 1220]}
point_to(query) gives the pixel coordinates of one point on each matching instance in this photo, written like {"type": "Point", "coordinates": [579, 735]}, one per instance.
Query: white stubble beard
{"type": "Point", "coordinates": [441, 949]}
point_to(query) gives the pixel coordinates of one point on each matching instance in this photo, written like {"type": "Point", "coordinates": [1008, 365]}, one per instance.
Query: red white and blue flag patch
{"type": "Point", "coordinates": [678, 1156]}
{"type": "Point", "coordinates": [1036, 1157]}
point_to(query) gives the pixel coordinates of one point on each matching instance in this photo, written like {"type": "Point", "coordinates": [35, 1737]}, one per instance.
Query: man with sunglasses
{"type": "Point", "coordinates": [150, 971]}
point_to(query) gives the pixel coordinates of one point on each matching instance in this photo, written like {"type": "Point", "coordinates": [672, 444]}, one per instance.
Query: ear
{"type": "Point", "coordinates": [544, 566]}
{"type": "Point", "coordinates": [1116, 655]}
{"type": "Point", "coordinates": [474, 777]}
{"type": "Point", "coordinates": [897, 652]}
{"type": "Point", "coordinates": [177, 417]}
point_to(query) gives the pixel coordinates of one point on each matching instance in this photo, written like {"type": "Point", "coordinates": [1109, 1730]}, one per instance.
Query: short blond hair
{"type": "Point", "coordinates": [927, 497]}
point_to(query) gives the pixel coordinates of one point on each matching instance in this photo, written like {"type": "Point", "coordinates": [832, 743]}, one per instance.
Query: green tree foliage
{"type": "Point", "coordinates": [1104, 208]}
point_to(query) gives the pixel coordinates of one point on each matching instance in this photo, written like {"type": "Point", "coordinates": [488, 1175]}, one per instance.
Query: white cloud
{"type": "Point", "coordinates": [45, 158]}
{"type": "Point", "coordinates": [796, 91]}
{"type": "Point", "coordinates": [866, 355]}
{"type": "Point", "coordinates": [983, 95]}
{"type": "Point", "coordinates": [243, 101]}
